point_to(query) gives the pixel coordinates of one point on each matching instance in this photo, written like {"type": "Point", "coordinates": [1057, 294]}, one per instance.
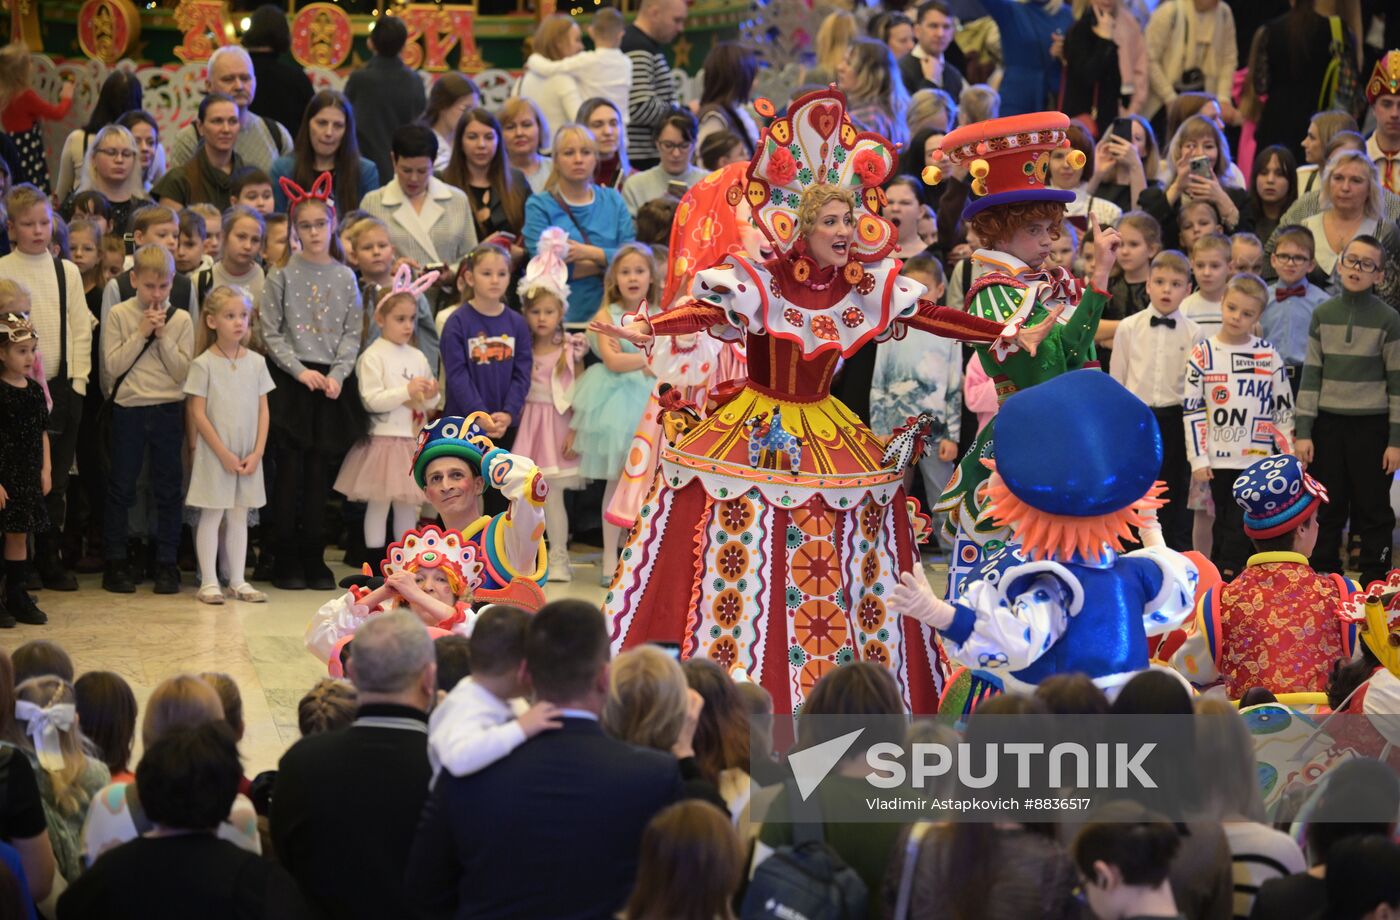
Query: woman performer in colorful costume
{"type": "Point", "coordinates": [1076, 460]}
{"type": "Point", "coordinates": [774, 530]}
{"type": "Point", "coordinates": [1016, 215]}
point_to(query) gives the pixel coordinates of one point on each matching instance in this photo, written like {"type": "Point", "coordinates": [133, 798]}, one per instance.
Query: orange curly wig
{"type": "Point", "coordinates": [995, 225]}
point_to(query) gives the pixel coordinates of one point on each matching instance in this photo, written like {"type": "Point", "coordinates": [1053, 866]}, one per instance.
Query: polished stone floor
{"type": "Point", "coordinates": [146, 638]}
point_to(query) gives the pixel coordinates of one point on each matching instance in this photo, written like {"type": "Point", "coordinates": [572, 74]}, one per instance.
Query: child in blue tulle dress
{"type": "Point", "coordinates": [610, 397]}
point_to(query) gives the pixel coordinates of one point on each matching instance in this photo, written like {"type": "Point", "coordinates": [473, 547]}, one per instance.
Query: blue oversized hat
{"type": "Point", "coordinates": [451, 436]}
{"type": "Point", "coordinates": [1077, 458]}
{"type": "Point", "coordinates": [1277, 496]}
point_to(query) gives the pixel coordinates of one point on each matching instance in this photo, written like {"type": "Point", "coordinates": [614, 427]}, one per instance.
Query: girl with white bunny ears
{"type": "Point", "coordinates": [398, 388]}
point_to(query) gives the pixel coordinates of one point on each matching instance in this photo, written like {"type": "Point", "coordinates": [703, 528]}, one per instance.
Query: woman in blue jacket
{"type": "Point", "coordinates": [1028, 28]}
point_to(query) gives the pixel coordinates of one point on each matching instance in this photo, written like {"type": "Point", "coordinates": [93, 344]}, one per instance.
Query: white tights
{"type": "Point", "coordinates": [611, 533]}
{"type": "Point", "coordinates": [235, 545]}
{"type": "Point", "coordinates": [376, 514]}
{"type": "Point", "coordinates": [556, 521]}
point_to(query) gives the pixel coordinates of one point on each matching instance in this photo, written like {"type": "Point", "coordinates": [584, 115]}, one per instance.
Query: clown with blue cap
{"type": "Point", "coordinates": [1275, 625]}
{"type": "Point", "coordinates": [1074, 475]}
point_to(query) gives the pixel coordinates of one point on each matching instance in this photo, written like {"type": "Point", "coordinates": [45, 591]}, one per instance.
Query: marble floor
{"type": "Point", "coordinates": [146, 638]}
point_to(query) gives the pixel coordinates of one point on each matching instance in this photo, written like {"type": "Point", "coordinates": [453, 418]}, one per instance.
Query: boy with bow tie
{"type": "Point", "coordinates": [1292, 299]}
{"type": "Point", "coordinates": [1149, 358]}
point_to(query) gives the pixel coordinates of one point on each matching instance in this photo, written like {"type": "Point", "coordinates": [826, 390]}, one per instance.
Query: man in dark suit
{"type": "Point", "coordinates": [553, 829]}
{"type": "Point", "coordinates": [384, 93]}
{"type": "Point", "coordinates": [347, 802]}
{"type": "Point", "coordinates": [927, 67]}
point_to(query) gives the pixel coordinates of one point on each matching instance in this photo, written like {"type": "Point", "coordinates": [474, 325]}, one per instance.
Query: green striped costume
{"type": "Point", "coordinates": [1068, 347]}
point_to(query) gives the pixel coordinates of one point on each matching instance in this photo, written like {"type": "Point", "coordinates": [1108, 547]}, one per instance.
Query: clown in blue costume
{"type": "Point", "coordinates": [1076, 459]}
{"type": "Point", "coordinates": [454, 462]}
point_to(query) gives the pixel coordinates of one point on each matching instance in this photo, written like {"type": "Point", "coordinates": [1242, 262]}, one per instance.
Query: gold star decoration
{"type": "Point", "coordinates": [681, 49]}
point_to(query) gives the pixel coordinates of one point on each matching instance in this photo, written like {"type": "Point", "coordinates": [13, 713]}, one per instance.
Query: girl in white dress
{"type": "Point", "coordinates": [228, 387]}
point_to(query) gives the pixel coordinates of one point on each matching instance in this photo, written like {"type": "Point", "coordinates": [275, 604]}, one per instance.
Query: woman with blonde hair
{"type": "Point", "coordinates": [932, 109]}
{"type": "Point", "coordinates": [182, 700]}
{"type": "Point", "coordinates": [112, 166]}
{"type": "Point", "coordinates": [876, 98]}
{"type": "Point", "coordinates": [1322, 128]}
{"type": "Point", "coordinates": [525, 134]}
{"type": "Point", "coordinates": [557, 37]}
{"type": "Point", "coordinates": [1351, 204]}
{"type": "Point", "coordinates": [650, 704]}
{"type": "Point", "coordinates": [46, 715]}
{"type": "Point", "coordinates": [834, 38]}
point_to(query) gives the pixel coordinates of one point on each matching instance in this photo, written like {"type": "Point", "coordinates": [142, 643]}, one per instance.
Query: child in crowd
{"type": "Point", "coordinates": [1246, 254]}
{"type": "Point", "coordinates": [1238, 409]}
{"type": "Point", "coordinates": [1195, 219]}
{"type": "Point", "coordinates": [85, 246]}
{"type": "Point", "coordinates": [228, 408]}
{"type": "Point", "coordinates": [147, 347]}
{"type": "Point", "coordinates": [63, 327]}
{"type": "Point", "coordinates": [1150, 350]}
{"type": "Point", "coordinates": [485, 716]}
{"type": "Point", "coordinates": [374, 261]}
{"type": "Point", "coordinates": [1062, 249]}
{"type": "Point", "coordinates": [213, 228]}
{"type": "Point", "coordinates": [189, 249]}
{"type": "Point", "coordinates": [25, 112]}
{"type": "Point", "coordinates": [46, 717]}
{"type": "Point", "coordinates": [1210, 264]}
{"type": "Point", "coordinates": [58, 247]}
{"type": "Point", "coordinates": [1124, 854]}
{"type": "Point", "coordinates": [277, 243]}
{"type": "Point", "coordinates": [252, 187]}
{"type": "Point", "coordinates": [398, 388]}
{"type": "Point", "coordinates": [151, 224]}
{"type": "Point", "coordinates": [921, 374]}
{"type": "Point", "coordinates": [544, 434]}
{"type": "Point", "coordinates": [486, 352]}
{"type": "Point", "coordinates": [612, 397]}
{"type": "Point", "coordinates": [1349, 411]}
{"type": "Point", "coordinates": [25, 470]}
{"type": "Point", "coordinates": [1142, 240]}
{"type": "Point", "coordinates": [1292, 298]}
{"type": "Point", "coordinates": [237, 266]}
{"type": "Point", "coordinates": [434, 573]}
{"type": "Point", "coordinates": [106, 710]}
{"type": "Point", "coordinates": [310, 321]}
{"type": "Point", "coordinates": [113, 261]}
{"type": "Point", "coordinates": [94, 206]}
{"type": "Point", "coordinates": [1293, 649]}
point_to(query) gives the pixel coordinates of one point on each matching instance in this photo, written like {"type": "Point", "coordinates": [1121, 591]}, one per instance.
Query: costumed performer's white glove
{"type": "Point", "coordinates": [515, 476]}
{"type": "Point", "coordinates": [1150, 531]}
{"type": "Point", "coordinates": [914, 597]}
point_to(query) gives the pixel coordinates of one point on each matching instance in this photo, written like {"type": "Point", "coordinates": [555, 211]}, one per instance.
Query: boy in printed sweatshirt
{"type": "Point", "coordinates": [1349, 411]}
{"type": "Point", "coordinates": [1237, 409]}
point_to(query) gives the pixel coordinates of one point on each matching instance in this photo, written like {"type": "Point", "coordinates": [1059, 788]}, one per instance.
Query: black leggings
{"type": "Point", "coordinates": [300, 489]}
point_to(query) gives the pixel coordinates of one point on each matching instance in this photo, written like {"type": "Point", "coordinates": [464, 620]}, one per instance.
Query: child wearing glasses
{"type": "Point", "coordinates": [1348, 416]}
{"type": "Point", "coordinates": [1292, 299]}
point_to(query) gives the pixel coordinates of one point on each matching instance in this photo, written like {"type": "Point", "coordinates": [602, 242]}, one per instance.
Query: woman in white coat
{"type": "Point", "coordinates": [429, 221]}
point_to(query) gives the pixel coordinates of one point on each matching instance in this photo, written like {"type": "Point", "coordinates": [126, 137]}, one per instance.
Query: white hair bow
{"type": "Point", "coordinates": [404, 284]}
{"type": "Point", "coordinates": [43, 725]}
{"type": "Point", "coordinates": [548, 270]}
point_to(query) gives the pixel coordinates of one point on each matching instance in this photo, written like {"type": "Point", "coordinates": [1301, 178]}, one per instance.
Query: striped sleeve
{"type": "Point", "coordinates": [1310, 386]}
{"type": "Point", "coordinates": [652, 92]}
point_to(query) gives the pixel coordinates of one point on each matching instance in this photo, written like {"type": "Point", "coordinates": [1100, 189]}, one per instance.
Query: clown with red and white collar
{"type": "Point", "coordinates": [1383, 96]}
{"type": "Point", "coordinates": [1077, 459]}
{"type": "Point", "coordinates": [1275, 625]}
{"type": "Point", "coordinates": [433, 573]}
{"type": "Point", "coordinates": [1016, 213]}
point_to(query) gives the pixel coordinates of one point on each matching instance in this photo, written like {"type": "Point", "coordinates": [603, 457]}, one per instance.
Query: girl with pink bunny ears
{"type": "Point", "coordinates": [398, 388]}
{"type": "Point", "coordinates": [544, 434]}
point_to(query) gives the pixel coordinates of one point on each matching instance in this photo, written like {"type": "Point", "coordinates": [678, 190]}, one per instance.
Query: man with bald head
{"type": "Point", "coordinates": [654, 90]}
{"type": "Point", "coordinates": [348, 802]}
{"type": "Point", "coordinates": [260, 140]}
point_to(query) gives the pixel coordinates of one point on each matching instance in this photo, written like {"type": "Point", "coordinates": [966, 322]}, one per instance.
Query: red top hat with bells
{"type": "Point", "coordinates": [1007, 158]}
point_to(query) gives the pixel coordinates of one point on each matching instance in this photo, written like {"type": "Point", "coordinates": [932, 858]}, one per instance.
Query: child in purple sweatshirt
{"type": "Point", "coordinates": [486, 347]}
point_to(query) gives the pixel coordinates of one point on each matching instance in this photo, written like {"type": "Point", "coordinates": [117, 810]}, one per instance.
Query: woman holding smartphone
{"type": "Point", "coordinates": [1198, 163]}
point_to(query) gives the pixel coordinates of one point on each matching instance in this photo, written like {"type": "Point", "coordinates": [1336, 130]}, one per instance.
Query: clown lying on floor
{"type": "Point", "coordinates": [1076, 460]}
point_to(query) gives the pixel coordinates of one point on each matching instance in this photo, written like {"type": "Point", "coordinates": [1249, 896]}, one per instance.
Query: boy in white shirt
{"type": "Point", "coordinates": [485, 717]}
{"type": "Point", "coordinates": [1149, 359]}
{"type": "Point", "coordinates": [1238, 409]}
{"type": "Point", "coordinates": [1210, 263]}
{"type": "Point", "coordinates": [605, 72]}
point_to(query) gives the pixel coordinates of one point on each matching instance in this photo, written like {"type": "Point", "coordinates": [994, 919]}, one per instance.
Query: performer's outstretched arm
{"type": "Point", "coordinates": [692, 316]}
{"type": "Point", "coordinates": [951, 323]}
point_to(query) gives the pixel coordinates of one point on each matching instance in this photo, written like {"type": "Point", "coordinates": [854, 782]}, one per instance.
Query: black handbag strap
{"type": "Point", "coordinates": [62, 373]}
{"type": "Point", "coordinates": [569, 212]}
{"type": "Point", "coordinates": [150, 340]}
